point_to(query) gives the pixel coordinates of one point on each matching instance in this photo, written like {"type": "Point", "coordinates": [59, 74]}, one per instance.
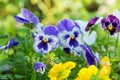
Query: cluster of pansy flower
{"type": "Point", "coordinates": [69, 34]}
{"type": "Point", "coordinates": [72, 35]}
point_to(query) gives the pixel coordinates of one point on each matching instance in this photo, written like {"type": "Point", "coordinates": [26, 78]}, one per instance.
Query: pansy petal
{"type": "Point", "coordinates": [34, 20]}
{"type": "Point", "coordinates": [66, 50]}
{"type": "Point", "coordinates": [10, 43]}
{"type": "Point", "coordinates": [89, 55]}
{"type": "Point", "coordinates": [21, 20]}
{"type": "Point", "coordinates": [38, 28]}
{"type": "Point", "coordinates": [26, 13]}
{"type": "Point", "coordinates": [65, 25]}
{"type": "Point", "coordinates": [116, 13]}
{"type": "Point", "coordinates": [82, 25]}
{"type": "Point", "coordinates": [35, 46]}
{"type": "Point", "coordinates": [63, 40]}
{"type": "Point", "coordinates": [51, 30]}
{"type": "Point", "coordinates": [78, 35]}
{"type": "Point", "coordinates": [53, 41]}
{"type": "Point", "coordinates": [73, 43]}
{"type": "Point", "coordinates": [91, 22]}
{"type": "Point", "coordinates": [15, 43]}
{"type": "Point", "coordinates": [2, 47]}
{"type": "Point", "coordinates": [90, 38]}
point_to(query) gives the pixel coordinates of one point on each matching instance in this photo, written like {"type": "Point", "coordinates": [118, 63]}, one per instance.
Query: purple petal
{"type": "Point", "coordinates": [89, 55]}
{"type": "Point", "coordinates": [73, 43]}
{"type": "Point", "coordinates": [65, 25]}
{"type": "Point", "coordinates": [66, 50]}
{"type": "Point", "coordinates": [20, 20]}
{"type": "Point", "coordinates": [30, 16]}
{"type": "Point", "coordinates": [26, 13]}
{"type": "Point", "coordinates": [91, 22]}
{"type": "Point", "coordinates": [10, 43]}
{"type": "Point", "coordinates": [66, 36]}
{"type": "Point", "coordinates": [38, 65]}
{"type": "Point", "coordinates": [34, 20]}
{"type": "Point", "coordinates": [15, 43]}
{"type": "Point", "coordinates": [43, 45]}
{"type": "Point", "coordinates": [51, 30]}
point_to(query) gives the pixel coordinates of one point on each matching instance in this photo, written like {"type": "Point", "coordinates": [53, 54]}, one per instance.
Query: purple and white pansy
{"type": "Point", "coordinates": [70, 35]}
{"type": "Point", "coordinates": [39, 67]}
{"type": "Point", "coordinates": [46, 40]}
{"type": "Point", "coordinates": [26, 16]}
{"type": "Point", "coordinates": [10, 44]}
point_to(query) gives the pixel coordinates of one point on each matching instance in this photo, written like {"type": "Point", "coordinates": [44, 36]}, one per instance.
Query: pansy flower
{"type": "Point", "coordinates": [61, 71]}
{"type": "Point", "coordinates": [26, 16]}
{"type": "Point", "coordinates": [39, 67]}
{"type": "Point", "coordinates": [70, 35]}
{"type": "Point", "coordinates": [46, 40]}
{"type": "Point", "coordinates": [87, 73]}
{"type": "Point", "coordinates": [111, 23]}
{"type": "Point", "coordinates": [89, 56]}
{"type": "Point", "coordinates": [10, 44]}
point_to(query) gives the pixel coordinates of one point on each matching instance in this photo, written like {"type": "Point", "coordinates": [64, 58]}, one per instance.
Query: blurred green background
{"type": "Point", "coordinates": [51, 11]}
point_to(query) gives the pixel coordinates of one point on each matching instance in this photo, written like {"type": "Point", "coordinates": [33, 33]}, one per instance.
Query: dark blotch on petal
{"type": "Point", "coordinates": [43, 45]}
{"type": "Point", "coordinates": [66, 36]}
{"type": "Point", "coordinates": [73, 43]}
{"type": "Point", "coordinates": [76, 34]}
{"type": "Point", "coordinates": [40, 37]}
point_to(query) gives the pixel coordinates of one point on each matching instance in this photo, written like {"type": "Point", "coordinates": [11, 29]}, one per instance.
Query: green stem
{"type": "Point", "coordinates": [116, 44]}
{"type": "Point", "coordinates": [108, 54]}
{"type": "Point", "coordinates": [34, 75]}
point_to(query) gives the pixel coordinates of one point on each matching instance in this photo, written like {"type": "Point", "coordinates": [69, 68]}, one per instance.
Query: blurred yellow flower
{"type": "Point", "coordinates": [61, 71]}
{"type": "Point", "coordinates": [87, 73]}
{"type": "Point", "coordinates": [102, 74]}
{"type": "Point", "coordinates": [105, 68]}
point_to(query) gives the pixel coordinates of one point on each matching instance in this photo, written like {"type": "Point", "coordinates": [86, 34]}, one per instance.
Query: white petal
{"type": "Point", "coordinates": [20, 15]}
{"type": "Point", "coordinates": [35, 46]}
{"type": "Point", "coordinates": [90, 38]}
{"type": "Point", "coordinates": [63, 42]}
{"type": "Point", "coordinates": [116, 13]}
{"type": "Point", "coordinates": [82, 25]}
{"type": "Point", "coordinates": [38, 28]}
{"type": "Point", "coordinates": [2, 47]}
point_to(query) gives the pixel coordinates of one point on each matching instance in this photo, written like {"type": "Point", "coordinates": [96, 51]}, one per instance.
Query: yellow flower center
{"type": "Point", "coordinates": [110, 27]}
{"type": "Point", "coordinates": [72, 37]}
{"type": "Point", "coordinates": [45, 40]}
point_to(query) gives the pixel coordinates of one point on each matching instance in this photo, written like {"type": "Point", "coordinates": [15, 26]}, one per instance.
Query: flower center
{"type": "Point", "coordinates": [45, 40]}
{"type": "Point", "coordinates": [72, 37]}
{"type": "Point", "coordinates": [110, 27]}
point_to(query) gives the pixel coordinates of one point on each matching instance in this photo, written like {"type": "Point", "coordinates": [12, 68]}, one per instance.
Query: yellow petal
{"type": "Point", "coordinates": [93, 69]}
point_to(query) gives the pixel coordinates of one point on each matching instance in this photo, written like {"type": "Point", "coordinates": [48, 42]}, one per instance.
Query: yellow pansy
{"type": "Point", "coordinates": [61, 71]}
{"type": "Point", "coordinates": [105, 68]}
{"type": "Point", "coordinates": [87, 73]}
{"type": "Point", "coordinates": [103, 73]}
